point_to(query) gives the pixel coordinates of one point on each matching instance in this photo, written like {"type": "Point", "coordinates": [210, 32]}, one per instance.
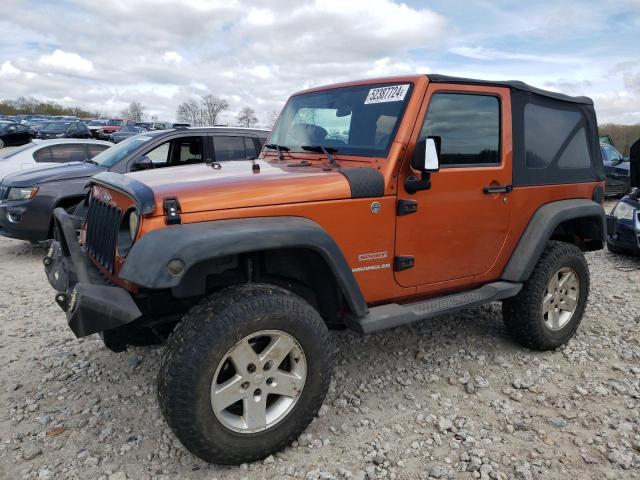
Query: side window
{"type": "Point", "coordinates": [73, 128]}
{"type": "Point", "coordinates": [43, 155]}
{"type": "Point", "coordinates": [73, 152]}
{"type": "Point", "coordinates": [189, 151]}
{"type": "Point", "coordinates": [159, 155]}
{"type": "Point", "coordinates": [468, 126]}
{"type": "Point", "coordinates": [609, 155]}
{"type": "Point", "coordinates": [250, 148]}
{"type": "Point", "coordinates": [229, 148]}
{"type": "Point", "coordinates": [554, 136]}
{"type": "Point", "coordinates": [21, 128]}
{"type": "Point", "coordinates": [94, 149]}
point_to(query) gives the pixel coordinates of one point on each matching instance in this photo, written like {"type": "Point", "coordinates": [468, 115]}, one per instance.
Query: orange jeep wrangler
{"type": "Point", "coordinates": [374, 204]}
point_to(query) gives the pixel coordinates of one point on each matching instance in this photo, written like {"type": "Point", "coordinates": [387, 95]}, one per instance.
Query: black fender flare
{"type": "Point", "coordinates": [541, 226]}
{"type": "Point", "coordinates": [146, 263]}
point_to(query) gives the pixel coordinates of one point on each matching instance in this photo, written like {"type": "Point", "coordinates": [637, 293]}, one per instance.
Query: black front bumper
{"type": "Point", "coordinates": [623, 234]}
{"type": "Point", "coordinates": [91, 305]}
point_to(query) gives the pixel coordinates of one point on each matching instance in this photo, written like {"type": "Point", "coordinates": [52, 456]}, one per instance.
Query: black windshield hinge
{"type": "Point", "coordinates": [171, 208]}
{"type": "Point", "coordinates": [403, 262]}
{"type": "Point", "coordinates": [405, 207]}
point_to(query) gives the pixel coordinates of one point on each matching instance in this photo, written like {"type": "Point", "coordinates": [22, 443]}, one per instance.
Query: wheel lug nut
{"type": "Point", "coordinates": [251, 368]}
{"type": "Point", "coordinates": [257, 392]}
{"type": "Point", "coordinates": [269, 381]}
{"type": "Point", "coordinates": [244, 385]}
{"type": "Point", "coordinates": [267, 366]}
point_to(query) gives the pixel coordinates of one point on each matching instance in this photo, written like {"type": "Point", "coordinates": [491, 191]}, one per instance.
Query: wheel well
{"type": "Point", "coordinates": [300, 270]}
{"type": "Point", "coordinates": [64, 203]}
{"type": "Point", "coordinates": [584, 232]}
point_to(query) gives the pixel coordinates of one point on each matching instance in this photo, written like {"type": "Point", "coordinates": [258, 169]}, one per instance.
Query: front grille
{"type": "Point", "coordinates": [4, 192]}
{"type": "Point", "coordinates": [103, 224]}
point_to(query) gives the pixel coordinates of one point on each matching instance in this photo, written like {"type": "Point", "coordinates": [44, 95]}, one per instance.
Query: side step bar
{"type": "Point", "coordinates": [393, 315]}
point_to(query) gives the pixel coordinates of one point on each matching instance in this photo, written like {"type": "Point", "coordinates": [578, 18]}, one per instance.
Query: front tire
{"type": "Point", "coordinates": [244, 373]}
{"type": "Point", "coordinates": [549, 308]}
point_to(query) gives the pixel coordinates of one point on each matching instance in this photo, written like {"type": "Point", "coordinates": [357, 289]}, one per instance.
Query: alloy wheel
{"type": "Point", "coordinates": [561, 298]}
{"type": "Point", "coordinates": [258, 381]}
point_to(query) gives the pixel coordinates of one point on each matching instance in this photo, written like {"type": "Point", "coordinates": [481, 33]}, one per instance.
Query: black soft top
{"type": "Point", "coordinates": [513, 84]}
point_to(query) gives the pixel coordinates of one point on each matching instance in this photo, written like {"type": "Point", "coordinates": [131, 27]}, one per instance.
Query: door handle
{"type": "Point", "coordinates": [498, 189]}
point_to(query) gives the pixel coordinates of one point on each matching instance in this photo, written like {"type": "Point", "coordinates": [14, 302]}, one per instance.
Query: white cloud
{"type": "Point", "coordinates": [60, 59]}
{"type": "Point", "coordinates": [7, 69]}
{"type": "Point", "coordinates": [481, 53]}
{"type": "Point", "coordinates": [172, 57]}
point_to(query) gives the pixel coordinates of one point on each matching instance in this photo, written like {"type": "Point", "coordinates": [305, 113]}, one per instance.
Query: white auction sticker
{"type": "Point", "coordinates": [392, 93]}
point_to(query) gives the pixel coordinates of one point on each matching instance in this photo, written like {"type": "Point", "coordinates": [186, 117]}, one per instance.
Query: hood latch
{"type": "Point", "coordinates": [171, 208]}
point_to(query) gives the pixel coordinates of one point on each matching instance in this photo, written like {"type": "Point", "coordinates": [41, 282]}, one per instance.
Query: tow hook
{"type": "Point", "coordinates": [62, 299]}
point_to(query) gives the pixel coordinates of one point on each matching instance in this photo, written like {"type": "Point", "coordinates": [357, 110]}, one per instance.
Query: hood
{"type": "Point", "coordinates": [64, 171]}
{"type": "Point", "coordinates": [203, 188]}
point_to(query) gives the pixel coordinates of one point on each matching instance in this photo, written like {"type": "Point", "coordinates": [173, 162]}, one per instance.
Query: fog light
{"type": "Point", "coordinates": [14, 217]}
{"type": "Point", "coordinates": [175, 266]}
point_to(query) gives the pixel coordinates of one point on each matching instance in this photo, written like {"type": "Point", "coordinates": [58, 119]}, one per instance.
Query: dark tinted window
{"type": "Point", "coordinates": [42, 155]}
{"type": "Point", "coordinates": [229, 148]}
{"type": "Point", "coordinates": [68, 153]}
{"type": "Point", "coordinates": [553, 135]}
{"type": "Point", "coordinates": [94, 149]}
{"type": "Point", "coordinates": [468, 127]}
{"type": "Point", "coordinates": [250, 148]}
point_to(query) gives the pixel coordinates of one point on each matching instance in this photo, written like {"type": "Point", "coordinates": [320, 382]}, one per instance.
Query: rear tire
{"type": "Point", "coordinates": [225, 355]}
{"type": "Point", "coordinates": [549, 308]}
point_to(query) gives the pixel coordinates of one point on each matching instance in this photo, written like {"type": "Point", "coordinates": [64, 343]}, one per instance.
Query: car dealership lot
{"type": "Point", "coordinates": [441, 399]}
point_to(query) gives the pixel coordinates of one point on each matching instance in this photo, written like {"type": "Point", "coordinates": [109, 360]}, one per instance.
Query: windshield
{"type": "Point", "coordinates": [359, 120]}
{"type": "Point", "coordinates": [113, 155]}
{"type": "Point", "coordinates": [96, 123]}
{"type": "Point", "coordinates": [116, 123]}
{"type": "Point", "coordinates": [55, 127]}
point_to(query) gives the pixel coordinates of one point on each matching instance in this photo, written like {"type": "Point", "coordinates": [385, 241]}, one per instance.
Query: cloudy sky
{"type": "Point", "coordinates": [103, 54]}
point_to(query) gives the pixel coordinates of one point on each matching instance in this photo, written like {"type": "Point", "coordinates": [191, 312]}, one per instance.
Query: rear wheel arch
{"type": "Point", "coordinates": [580, 222]}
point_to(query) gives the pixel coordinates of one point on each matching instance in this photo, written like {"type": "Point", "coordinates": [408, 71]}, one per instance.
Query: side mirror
{"type": "Point", "coordinates": [426, 160]}
{"type": "Point", "coordinates": [143, 163]}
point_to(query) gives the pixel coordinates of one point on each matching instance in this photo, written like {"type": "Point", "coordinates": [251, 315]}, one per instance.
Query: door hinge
{"type": "Point", "coordinates": [405, 207]}
{"type": "Point", "coordinates": [171, 208]}
{"type": "Point", "coordinates": [403, 262]}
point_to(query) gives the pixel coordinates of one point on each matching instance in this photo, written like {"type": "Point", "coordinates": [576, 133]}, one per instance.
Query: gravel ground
{"type": "Point", "coordinates": [454, 397]}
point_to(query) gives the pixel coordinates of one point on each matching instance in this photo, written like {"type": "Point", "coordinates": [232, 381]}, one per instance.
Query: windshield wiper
{"type": "Point", "coordinates": [326, 150]}
{"type": "Point", "coordinates": [278, 148]}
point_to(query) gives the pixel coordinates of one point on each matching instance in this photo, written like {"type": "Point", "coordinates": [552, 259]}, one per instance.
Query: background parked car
{"type": "Point", "coordinates": [95, 125]}
{"type": "Point", "coordinates": [27, 199]}
{"type": "Point", "coordinates": [126, 132]}
{"type": "Point", "coordinates": [12, 133]}
{"type": "Point", "coordinates": [75, 129]}
{"type": "Point", "coordinates": [112, 126]}
{"type": "Point", "coordinates": [616, 169]}
{"type": "Point", "coordinates": [49, 152]}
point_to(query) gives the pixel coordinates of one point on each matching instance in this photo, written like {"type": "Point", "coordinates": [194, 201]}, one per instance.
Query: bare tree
{"type": "Point", "coordinates": [189, 112]}
{"type": "Point", "coordinates": [134, 112]}
{"type": "Point", "coordinates": [247, 117]}
{"type": "Point", "coordinates": [212, 107]}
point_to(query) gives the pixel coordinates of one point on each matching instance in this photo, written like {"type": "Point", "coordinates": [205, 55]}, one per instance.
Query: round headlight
{"type": "Point", "coordinates": [128, 231]}
{"type": "Point", "coordinates": [134, 221]}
